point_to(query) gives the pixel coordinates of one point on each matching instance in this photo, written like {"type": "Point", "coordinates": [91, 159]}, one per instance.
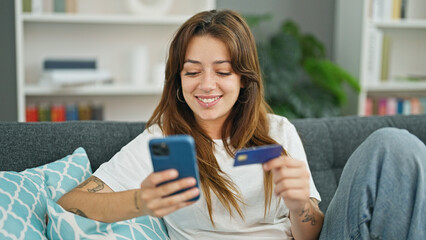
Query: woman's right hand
{"type": "Point", "coordinates": [154, 200]}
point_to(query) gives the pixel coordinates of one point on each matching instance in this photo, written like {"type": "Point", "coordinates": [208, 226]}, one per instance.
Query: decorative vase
{"type": "Point", "coordinates": [149, 7]}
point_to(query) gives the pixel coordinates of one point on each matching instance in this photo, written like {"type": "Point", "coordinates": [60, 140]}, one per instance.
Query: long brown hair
{"type": "Point", "coordinates": [247, 125]}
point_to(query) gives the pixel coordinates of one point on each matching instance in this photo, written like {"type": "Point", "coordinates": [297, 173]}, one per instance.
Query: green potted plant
{"type": "Point", "coordinates": [299, 81]}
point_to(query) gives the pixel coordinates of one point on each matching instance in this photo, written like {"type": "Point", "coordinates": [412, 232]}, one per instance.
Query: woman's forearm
{"type": "Point", "coordinates": [307, 223]}
{"type": "Point", "coordinates": [96, 200]}
{"type": "Point", "coordinates": [104, 207]}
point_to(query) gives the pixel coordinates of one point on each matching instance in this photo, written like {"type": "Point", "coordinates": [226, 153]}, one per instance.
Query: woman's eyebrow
{"type": "Point", "coordinates": [198, 62]}
{"type": "Point", "coordinates": [191, 61]}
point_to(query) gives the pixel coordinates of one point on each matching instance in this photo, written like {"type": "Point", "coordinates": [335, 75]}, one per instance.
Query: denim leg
{"type": "Point", "coordinates": [382, 190]}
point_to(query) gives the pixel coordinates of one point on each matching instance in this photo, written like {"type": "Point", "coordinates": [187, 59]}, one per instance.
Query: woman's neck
{"type": "Point", "coordinates": [212, 128]}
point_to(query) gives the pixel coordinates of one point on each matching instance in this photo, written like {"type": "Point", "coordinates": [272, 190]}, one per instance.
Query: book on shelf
{"type": "Point", "coordinates": [399, 106]}
{"type": "Point", "coordinates": [415, 106]}
{"type": "Point", "coordinates": [44, 112]}
{"type": "Point", "coordinates": [403, 12]}
{"type": "Point", "coordinates": [382, 110]}
{"type": "Point", "coordinates": [369, 107]}
{"type": "Point", "coordinates": [84, 112]}
{"type": "Point", "coordinates": [384, 72]}
{"type": "Point", "coordinates": [415, 9]}
{"type": "Point", "coordinates": [396, 9]}
{"type": "Point", "coordinates": [59, 112]}
{"type": "Point", "coordinates": [392, 106]}
{"type": "Point", "coordinates": [51, 64]}
{"type": "Point", "coordinates": [59, 6]}
{"type": "Point", "coordinates": [374, 51]}
{"type": "Point", "coordinates": [406, 107]}
{"type": "Point", "coordinates": [26, 6]}
{"type": "Point", "coordinates": [97, 111]}
{"type": "Point", "coordinates": [69, 72]}
{"type": "Point", "coordinates": [71, 6]}
{"type": "Point", "coordinates": [423, 105]}
{"type": "Point", "coordinates": [37, 6]}
{"type": "Point", "coordinates": [31, 113]}
{"type": "Point", "coordinates": [76, 77]}
{"type": "Point", "coordinates": [379, 57]}
{"type": "Point", "coordinates": [48, 6]}
{"type": "Point", "coordinates": [71, 112]}
{"type": "Point", "coordinates": [388, 9]}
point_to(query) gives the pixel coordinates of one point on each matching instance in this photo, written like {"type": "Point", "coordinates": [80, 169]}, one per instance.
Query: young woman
{"type": "Point", "coordinates": [213, 91]}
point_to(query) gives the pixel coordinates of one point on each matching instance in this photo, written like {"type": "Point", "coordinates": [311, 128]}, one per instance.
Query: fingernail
{"type": "Point", "coordinates": [174, 173]}
{"type": "Point", "coordinates": [190, 181]}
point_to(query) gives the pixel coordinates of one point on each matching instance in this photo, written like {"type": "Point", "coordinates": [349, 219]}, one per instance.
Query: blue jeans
{"type": "Point", "coordinates": [382, 190]}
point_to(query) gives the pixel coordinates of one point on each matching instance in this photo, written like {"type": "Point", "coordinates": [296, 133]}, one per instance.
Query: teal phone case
{"type": "Point", "coordinates": [175, 152]}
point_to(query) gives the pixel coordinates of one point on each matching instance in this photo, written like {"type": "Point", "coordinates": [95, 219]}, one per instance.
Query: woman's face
{"type": "Point", "coordinates": [209, 84]}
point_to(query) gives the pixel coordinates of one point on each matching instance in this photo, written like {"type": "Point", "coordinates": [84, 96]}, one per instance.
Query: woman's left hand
{"type": "Point", "coordinates": [291, 179]}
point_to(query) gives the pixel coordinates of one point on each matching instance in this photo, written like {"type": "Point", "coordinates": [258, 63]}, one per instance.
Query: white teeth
{"type": "Point", "coordinates": [208, 100]}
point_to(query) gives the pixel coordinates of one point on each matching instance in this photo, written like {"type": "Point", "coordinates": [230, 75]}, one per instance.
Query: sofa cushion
{"type": "Point", "coordinates": [24, 195]}
{"type": "Point", "coordinates": [66, 225]}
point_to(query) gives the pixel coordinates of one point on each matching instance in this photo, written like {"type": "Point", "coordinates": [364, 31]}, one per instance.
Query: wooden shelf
{"type": "Point", "coordinates": [102, 19]}
{"type": "Point", "coordinates": [94, 90]}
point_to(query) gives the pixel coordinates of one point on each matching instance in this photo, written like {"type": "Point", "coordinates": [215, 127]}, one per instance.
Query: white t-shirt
{"type": "Point", "coordinates": [129, 167]}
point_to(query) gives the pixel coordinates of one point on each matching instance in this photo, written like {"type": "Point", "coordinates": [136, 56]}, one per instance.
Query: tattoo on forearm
{"type": "Point", "coordinates": [136, 200]}
{"type": "Point", "coordinates": [85, 182]}
{"type": "Point", "coordinates": [308, 216]}
{"type": "Point", "coordinates": [77, 212]}
{"type": "Point", "coordinates": [99, 184]}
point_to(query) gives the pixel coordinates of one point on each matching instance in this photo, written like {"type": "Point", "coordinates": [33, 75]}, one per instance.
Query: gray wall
{"type": "Point", "coordinates": [312, 16]}
{"type": "Point", "coordinates": [347, 44]}
{"type": "Point", "coordinates": [8, 88]}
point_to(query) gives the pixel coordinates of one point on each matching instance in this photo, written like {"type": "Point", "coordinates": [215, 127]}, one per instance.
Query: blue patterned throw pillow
{"type": "Point", "coordinates": [63, 175]}
{"type": "Point", "coordinates": [66, 225]}
{"type": "Point", "coordinates": [24, 195]}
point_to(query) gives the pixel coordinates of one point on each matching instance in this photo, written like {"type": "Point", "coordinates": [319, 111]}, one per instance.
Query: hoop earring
{"type": "Point", "coordinates": [177, 96]}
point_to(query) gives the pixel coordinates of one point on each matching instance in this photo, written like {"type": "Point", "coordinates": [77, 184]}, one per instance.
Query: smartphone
{"type": "Point", "coordinates": [175, 152]}
{"type": "Point", "coordinates": [259, 154]}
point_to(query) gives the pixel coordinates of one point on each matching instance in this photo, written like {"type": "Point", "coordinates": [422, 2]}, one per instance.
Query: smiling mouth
{"type": "Point", "coordinates": [208, 100]}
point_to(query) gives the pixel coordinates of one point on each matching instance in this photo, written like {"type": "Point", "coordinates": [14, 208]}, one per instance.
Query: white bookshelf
{"type": "Point", "coordinates": [407, 51]}
{"type": "Point", "coordinates": [106, 31]}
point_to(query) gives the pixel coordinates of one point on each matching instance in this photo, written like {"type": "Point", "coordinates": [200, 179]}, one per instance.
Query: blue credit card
{"type": "Point", "coordinates": [258, 154]}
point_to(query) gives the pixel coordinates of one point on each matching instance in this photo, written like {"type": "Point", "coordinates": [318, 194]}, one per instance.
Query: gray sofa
{"type": "Point", "coordinates": [328, 142]}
